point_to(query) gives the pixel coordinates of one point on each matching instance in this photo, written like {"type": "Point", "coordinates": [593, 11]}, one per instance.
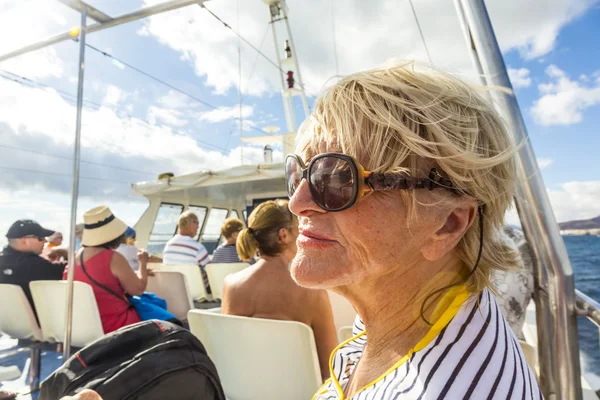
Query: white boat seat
{"type": "Point", "coordinates": [172, 286]}
{"type": "Point", "coordinates": [192, 275]}
{"type": "Point", "coordinates": [217, 274]}
{"type": "Point", "coordinates": [344, 333]}
{"type": "Point", "coordinates": [259, 358]}
{"type": "Point", "coordinates": [17, 319]}
{"type": "Point", "coordinates": [50, 298]}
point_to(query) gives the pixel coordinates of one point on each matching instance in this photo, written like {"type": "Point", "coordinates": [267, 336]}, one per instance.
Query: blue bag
{"type": "Point", "coordinates": [150, 306]}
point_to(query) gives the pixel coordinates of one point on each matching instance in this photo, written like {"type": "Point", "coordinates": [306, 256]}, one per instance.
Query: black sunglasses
{"type": "Point", "coordinates": [337, 181]}
{"type": "Point", "coordinates": [39, 238]}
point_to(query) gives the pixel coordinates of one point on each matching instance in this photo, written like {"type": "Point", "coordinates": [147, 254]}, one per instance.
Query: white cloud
{"type": "Point", "coordinates": [166, 116]}
{"type": "Point", "coordinates": [544, 162]}
{"type": "Point", "coordinates": [112, 96]}
{"type": "Point", "coordinates": [563, 100]}
{"type": "Point", "coordinates": [368, 34]}
{"type": "Point", "coordinates": [106, 135]}
{"type": "Point", "coordinates": [576, 200]}
{"type": "Point", "coordinates": [519, 78]}
{"type": "Point", "coordinates": [174, 99]}
{"type": "Point", "coordinates": [226, 113]}
{"type": "Point", "coordinates": [570, 201]}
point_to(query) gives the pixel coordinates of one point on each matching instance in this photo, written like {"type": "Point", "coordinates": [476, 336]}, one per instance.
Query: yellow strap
{"type": "Point", "coordinates": [445, 310]}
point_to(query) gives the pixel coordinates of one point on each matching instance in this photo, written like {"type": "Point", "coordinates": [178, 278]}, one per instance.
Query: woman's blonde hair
{"type": "Point", "coordinates": [405, 120]}
{"type": "Point", "coordinates": [262, 233]}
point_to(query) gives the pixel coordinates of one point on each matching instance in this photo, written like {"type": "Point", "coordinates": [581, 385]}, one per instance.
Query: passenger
{"type": "Point", "coordinates": [411, 240]}
{"type": "Point", "coordinates": [184, 249]}
{"type": "Point", "coordinates": [227, 252]}
{"type": "Point", "coordinates": [266, 289]}
{"type": "Point", "coordinates": [128, 249]}
{"type": "Point", "coordinates": [107, 271]}
{"type": "Point", "coordinates": [20, 261]}
{"type": "Point", "coordinates": [54, 241]}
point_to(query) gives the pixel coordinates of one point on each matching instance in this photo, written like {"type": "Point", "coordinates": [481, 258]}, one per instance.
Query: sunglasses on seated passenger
{"type": "Point", "coordinates": [337, 181]}
{"type": "Point", "coordinates": [41, 239]}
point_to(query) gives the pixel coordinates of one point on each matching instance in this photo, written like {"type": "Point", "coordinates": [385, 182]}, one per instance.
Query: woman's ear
{"type": "Point", "coordinates": [456, 224]}
{"type": "Point", "coordinates": [284, 235]}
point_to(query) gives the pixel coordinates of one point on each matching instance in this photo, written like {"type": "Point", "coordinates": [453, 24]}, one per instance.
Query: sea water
{"type": "Point", "coordinates": [584, 253]}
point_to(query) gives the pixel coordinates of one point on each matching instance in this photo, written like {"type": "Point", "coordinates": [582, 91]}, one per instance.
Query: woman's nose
{"type": "Point", "coordinates": [301, 202]}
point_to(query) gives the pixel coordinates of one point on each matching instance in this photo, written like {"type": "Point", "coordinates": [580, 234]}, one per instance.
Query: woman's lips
{"type": "Point", "coordinates": [311, 238]}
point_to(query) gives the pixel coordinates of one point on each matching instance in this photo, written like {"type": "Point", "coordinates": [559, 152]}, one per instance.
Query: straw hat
{"type": "Point", "coordinates": [101, 226]}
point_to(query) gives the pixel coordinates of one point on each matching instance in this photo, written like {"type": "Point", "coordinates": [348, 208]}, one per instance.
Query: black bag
{"type": "Point", "coordinates": [150, 360]}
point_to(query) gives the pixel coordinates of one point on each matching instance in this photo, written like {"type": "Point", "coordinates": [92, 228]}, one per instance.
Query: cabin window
{"type": "Point", "coordinates": [164, 227]}
{"type": "Point", "coordinates": [212, 228]}
{"type": "Point", "coordinates": [234, 214]}
{"type": "Point", "coordinates": [201, 214]}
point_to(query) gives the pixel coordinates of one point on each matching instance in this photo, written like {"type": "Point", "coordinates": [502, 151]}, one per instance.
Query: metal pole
{"type": "Point", "coordinates": [537, 216]}
{"type": "Point", "coordinates": [75, 189]}
{"type": "Point", "coordinates": [471, 46]}
{"type": "Point", "coordinates": [122, 19]}
{"type": "Point", "coordinates": [295, 58]}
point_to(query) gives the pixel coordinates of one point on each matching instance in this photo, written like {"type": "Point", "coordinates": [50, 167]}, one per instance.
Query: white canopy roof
{"type": "Point", "coordinates": [206, 178]}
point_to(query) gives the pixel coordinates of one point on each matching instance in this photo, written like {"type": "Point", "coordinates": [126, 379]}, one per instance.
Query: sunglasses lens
{"type": "Point", "coordinates": [332, 183]}
{"type": "Point", "coordinates": [293, 175]}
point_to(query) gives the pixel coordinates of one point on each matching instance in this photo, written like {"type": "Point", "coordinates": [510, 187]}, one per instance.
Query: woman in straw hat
{"type": "Point", "coordinates": [108, 272]}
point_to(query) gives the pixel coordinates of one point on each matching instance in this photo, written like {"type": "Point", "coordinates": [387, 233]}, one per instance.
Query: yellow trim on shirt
{"type": "Point", "coordinates": [445, 310]}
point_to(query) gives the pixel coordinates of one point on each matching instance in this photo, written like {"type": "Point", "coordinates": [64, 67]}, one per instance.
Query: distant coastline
{"type": "Point", "coordinates": [580, 232]}
{"type": "Point", "coordinates": [582, 227]}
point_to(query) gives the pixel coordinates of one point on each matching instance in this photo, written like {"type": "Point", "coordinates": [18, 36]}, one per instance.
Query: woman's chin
{"type": "Point", "coordinates": [311, 271]}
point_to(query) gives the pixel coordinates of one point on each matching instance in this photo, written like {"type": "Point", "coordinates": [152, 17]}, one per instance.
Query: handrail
{"type": "Point", "coordinates": [585, 306]}
{"type": "Point", "coordinates": [560, 375]}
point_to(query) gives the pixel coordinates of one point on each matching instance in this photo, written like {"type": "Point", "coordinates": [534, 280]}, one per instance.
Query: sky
{"type": "Point", "coordinates": [134, 127]}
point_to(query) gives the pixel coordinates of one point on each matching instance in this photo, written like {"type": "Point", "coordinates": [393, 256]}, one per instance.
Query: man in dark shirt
{"type": "Point", "coordinates": [20, 261]}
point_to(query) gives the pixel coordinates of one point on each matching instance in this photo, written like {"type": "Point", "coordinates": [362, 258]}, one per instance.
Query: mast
{"type": "Point", "coordinates": [558, 345]}
{"type": "Point", "coordinates": [290, 76]}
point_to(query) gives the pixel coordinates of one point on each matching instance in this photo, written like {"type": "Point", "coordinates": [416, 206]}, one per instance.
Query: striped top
{"type": "Point", "coordinates": [469, 353]}
{"type": "Point", "coordinates": [226, 253]}
{"type": "Point", "coordinates": [185, 250]}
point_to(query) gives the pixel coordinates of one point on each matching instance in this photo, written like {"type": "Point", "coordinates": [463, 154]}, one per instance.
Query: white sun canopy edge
{"type": "Point", "coordinates": [206, 178]}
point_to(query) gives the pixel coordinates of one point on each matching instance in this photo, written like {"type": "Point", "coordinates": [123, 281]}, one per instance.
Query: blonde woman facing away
{"type": "Point", "coordinates": [400, 182]}
{"type": "Point", "coordinates": [266, 289]}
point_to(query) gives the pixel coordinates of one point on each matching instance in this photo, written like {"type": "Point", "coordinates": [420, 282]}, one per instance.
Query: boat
{"type": "Point", "coordinates": [550, 332]}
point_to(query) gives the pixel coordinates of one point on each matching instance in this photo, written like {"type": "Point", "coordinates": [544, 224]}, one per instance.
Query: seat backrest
{"type": "Point", "coordinates": [217, 274]}
{"type": "Point", "coordinates": [192, 275]}
{"type": "Point", "coordinates": [343, 312]}
{"type": "Point", "coordinates": [172, 286]}
{"type": "Point", "coordinates": [50, 298]}
{"type": "Point", "coordinates": [344, 333]}
{"type": "Point", "coordinates": [16, 316]}
{"type": "Point", "coordinates": [259, 358]}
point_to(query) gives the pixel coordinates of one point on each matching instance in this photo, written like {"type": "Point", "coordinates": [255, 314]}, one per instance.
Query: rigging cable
{"type": "Point", "coordinates": [420, 31]}
{"type": "Point", "coordinates": [106, 54]}
{"type": "Point", "coordinates": [89, 178]}
{"type": "Point", "coordinates": [248, 43]}
{"type": "Point", "coordinates": [208, 146]}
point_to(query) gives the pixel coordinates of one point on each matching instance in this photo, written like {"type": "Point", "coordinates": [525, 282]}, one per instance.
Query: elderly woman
{"type": "Point", "coordinates": [400, 183]}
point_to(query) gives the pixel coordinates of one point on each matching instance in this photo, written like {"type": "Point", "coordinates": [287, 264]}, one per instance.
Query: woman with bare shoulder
{"type": "Point", "coordinates": [266, 289]}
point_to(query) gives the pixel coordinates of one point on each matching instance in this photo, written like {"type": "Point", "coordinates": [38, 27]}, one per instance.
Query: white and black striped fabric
{"type": "Point", "coordinates": [476, 356]}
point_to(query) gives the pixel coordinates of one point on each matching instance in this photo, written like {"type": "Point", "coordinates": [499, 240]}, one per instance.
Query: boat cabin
{"type": "Point", "coordinates": [212, 195]}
